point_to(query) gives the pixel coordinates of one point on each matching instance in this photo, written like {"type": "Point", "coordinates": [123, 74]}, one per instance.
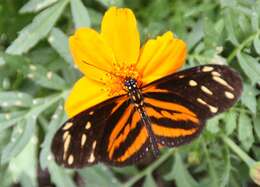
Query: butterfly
{"type": "Point", "coordinates": [167, 112]}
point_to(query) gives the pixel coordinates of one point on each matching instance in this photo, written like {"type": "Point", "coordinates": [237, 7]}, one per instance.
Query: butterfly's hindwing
{"type": "Point", "coordinates": [125, 139]}
{"type": "Point", "coordinates": [179, 104]}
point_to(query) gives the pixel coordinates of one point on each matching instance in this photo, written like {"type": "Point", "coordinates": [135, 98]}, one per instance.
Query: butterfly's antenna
{"type": "Point", "coordinates": [109, 72]}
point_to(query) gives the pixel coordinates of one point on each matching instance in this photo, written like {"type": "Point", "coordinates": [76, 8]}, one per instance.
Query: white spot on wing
{"type": "Point", "coordinates": [193, 83]}
{"type": "Point", "coordinates": [222, 82]}
{"type": "Point", "coordinates": [67, 125]}
{"type": "Point", "coordinates": [206, 90]}
{"type": "Point", "coordinates": [66, 146]}
{"type": "Point", "coordinates": [207, 69]}
{"type": "Point", "coordinates": [83, 139]}
{"type": "Point", "coordinates": [211, 108]}
{"type": "Point", "coordinates": [229, 95]}
{"type": "Point", "coordinates": [91, 158]}
{"type": "Point", "coordinates": [88, 125]}
{"type": "Point", "coordinates": [215, 73]}
{"type": "Point", "coordinates": [70, 159]}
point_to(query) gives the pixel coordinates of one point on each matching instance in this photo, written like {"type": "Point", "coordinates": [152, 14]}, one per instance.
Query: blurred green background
{"type": "Point", "coordinates": [36, 74]}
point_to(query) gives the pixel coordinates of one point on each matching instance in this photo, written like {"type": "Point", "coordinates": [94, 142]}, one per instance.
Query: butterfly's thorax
{"type": "Point", "coordinates": [134, 92]}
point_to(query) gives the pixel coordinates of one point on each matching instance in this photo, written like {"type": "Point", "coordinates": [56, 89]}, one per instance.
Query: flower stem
{"type": "Point", "coordinates": [149, 169]}
{"type": "Point", "coordinates": [247, 159]}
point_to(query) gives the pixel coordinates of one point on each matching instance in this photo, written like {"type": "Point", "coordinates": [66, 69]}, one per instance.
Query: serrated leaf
{"type": "Point", "coordinates": [15, 98]}
{"type": "Point", "coordinates": [80, 14]}
{"type": "Point", "coordinates": [149, 181]}
{"type": "Point", "coordinates": [57, 119]}
{"type": "Point", "coordinates": [99, 175]}
{"type": "Point", "coordinates": [36, 5]}
{"type": "Point", "coordinates": [38, 29]}
{"type": "Point", "coordinates": [230, 122]}
{"type": "Point", "coordinates": [250, 66]}
{"type": "Point", "coordinates": [257, 45]}
{"type": "Point", "coordinates": [248, 97]}
{"type": "Point", "coordinates": [59, 41]}
{"type": "Point", "coordinates": [59, 176]}
{"type": "Point", "coordinates": [245, 131]}
{"type": "Point", "coordinates": [22, 134]}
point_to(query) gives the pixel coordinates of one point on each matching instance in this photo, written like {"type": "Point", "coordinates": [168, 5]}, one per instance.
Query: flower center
{"type": "Point", "coordinates": [116, 79]}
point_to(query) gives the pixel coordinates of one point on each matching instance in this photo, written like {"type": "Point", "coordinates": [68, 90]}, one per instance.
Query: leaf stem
{"type": "Point", "coordinates": [149, 169]}
{"type": "Point", "coordinates": [242, 45]}
{"type": "Point", "coordinates": [247, 159]}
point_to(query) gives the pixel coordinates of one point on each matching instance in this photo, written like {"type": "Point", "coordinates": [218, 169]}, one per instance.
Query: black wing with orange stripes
{"type": "Point", "coordinates": [79, 140]}
{"type": "Point", "coordinates": [178, 105]}
{"type": "Point", "coordinates": [110, 132]}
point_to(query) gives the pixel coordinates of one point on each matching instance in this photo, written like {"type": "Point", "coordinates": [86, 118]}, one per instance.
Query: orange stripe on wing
{"type": "Point", "coordinates": [173, 116]}
{"type": "Point", "coordinates": [171, 133]}
{"type": "Point", "coordinates": [120, 125]}
{"type": "Point", "coordinates": [115, 143]}
{"type": "Point", "coordinates": [135, 146]}
{"type": "Point", "coordinates": [169, 106]}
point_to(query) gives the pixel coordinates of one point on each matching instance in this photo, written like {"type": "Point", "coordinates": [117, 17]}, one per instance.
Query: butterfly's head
{"type": "Point", "coordinates": [130, 84]}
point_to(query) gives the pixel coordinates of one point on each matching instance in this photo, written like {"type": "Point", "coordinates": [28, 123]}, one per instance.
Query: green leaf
{"type": "Point", "coordinates": [229, 20]}
{"type": "Point", "coordinates": [26, 162]}
{"type": "Point", "coordinates": [10, 118]}
{"type": "Point", "coordinates": [22, 134]}
{"type": "Point", "coordinates": [149, 181]}
{"type": "Point", "coordinates": [15, 98]}
{"type": "Point", "coordinates": [38, 29]}
{"type": "Point", "coordinates": [59, 176]}
{"type": "Point", "coordinates": [36, 5]}
{"type": "Point", "coordinates": [213, 124]}
{"type": "Point", "coordinates": [108, 3]}
{"type": "Point", "coordinates": [26, 181]}
{"type": "Point", "coordinates": [37, 73]}
{"type": "Point", "coordinates": [245, 131]}
{"type": "Point", "coordinates": [248, 97]}
{"type": "Point", "coordinates": [257, 45]}
{"type": "Point", "coordinates": [180, 174]}
{"type": "Point", "coordinates": [250, 66]}
{"type": "Point", "coordinates": [230, 122]}
{"type": "Point", "coordinates": [59, 41]}
{"type": "Point", "coordinates": [57, 118]}
{"type": "Point", "coordinates": [99, 175]}
{"type": "Point", "coordinates": [80, 14]}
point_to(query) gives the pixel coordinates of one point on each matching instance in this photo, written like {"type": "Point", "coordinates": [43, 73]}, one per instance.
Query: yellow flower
{"type": "Point", "coordinates": [109, 57]}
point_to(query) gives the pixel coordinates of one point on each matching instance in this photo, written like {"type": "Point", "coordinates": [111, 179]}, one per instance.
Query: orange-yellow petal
{"type": "Point", "coordinates": [85, 94]}
{"type": "Point", "coordinates": [160, 57]}
{"type": "Point", "coordinates": [91, 53]}
{"type": "Point", "coordinates": [119, 28]}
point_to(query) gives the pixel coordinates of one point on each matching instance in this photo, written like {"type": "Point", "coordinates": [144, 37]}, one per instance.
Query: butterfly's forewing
{"type": "Point", "coordinates": [78, 142]}
{"type": "Point", "coordinates": [179, 104]}
{"type": "Point", "coordinates": [110, 132]}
